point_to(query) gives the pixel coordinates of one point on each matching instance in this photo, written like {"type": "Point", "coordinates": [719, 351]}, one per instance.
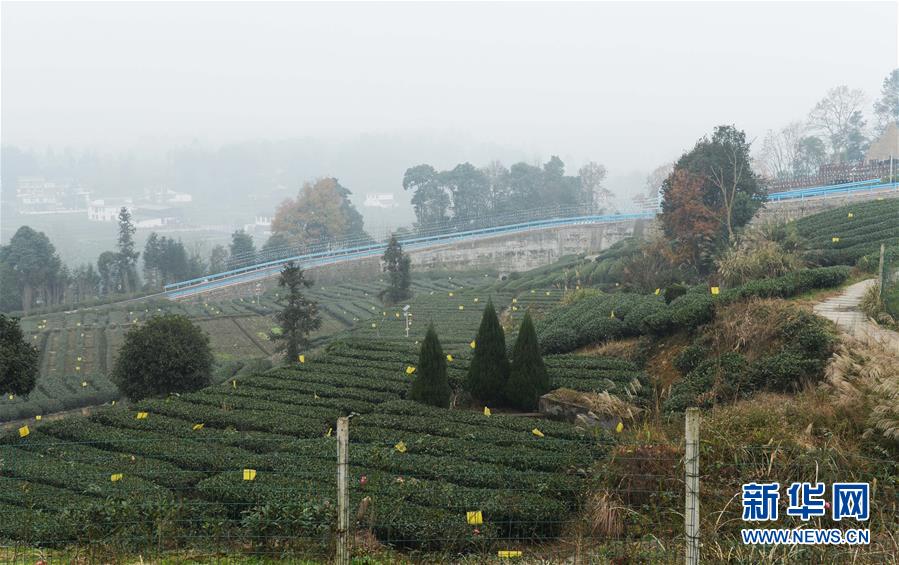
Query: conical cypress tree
{"type": "Point", "coordinates": [528, 379]}
{"type": "Point", "coordinates": [430, 384]}
{"type": "Point", "coordinates": [489, 369]}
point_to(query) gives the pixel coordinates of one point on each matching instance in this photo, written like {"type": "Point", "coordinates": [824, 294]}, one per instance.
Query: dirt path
{"type": "Point", "coordinates": [843, 310]}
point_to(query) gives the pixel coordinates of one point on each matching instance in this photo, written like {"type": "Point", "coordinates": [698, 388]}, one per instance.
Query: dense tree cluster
{"type": "Point", "coordinates": [30, 271]}
{"type": "Point", "coordinates": [711, 193]}
{"type": "Point", "coordinates": [467, 196]}
{"type": "Point", "coordinates": [166, 261]}
{"type": "Point", "coordinates": [835, 131]}
{"type": "Point", "coordinates": [491, 378]}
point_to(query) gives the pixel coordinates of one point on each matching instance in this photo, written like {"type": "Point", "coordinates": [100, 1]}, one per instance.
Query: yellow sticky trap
{"type": "Point", "coordinates": [619, 427]}
{"type": "Point", "coordinates": [473, 344]}
{"type": "Point", "coordinates": [475, 299]}
{"type": "Point", "coordinates": [197, 427]}
{"type": "Point", "coordinates": [374, 325]}
{"type": "Point", "coordinates": [24, 431]}
{"type": "Point", "coordinates": [38, 417]}
{"type": "Point", "coordinates": [514, 301]}
{"type": "Point", "coordinates": [397, 314]}
{"type": "Point", "coordinates": [328, 434]}
{"type": "Point", "coordinates": [474, 518]}
{"type": "Point", "coordinates": [515, 308]}
{"type": "Point", "coordinates": [537, 432]}
{"type": "Point", "coordinates": [547, 293]}
{"type": "Point", "coordinates": [451, 294]}
{"type": "Point", "coordinates": [234, 383]}
{"type": "Point", "coordinates": [658, 291]}
{"type": "Point", "coordinates": [113, 402]}
{"type": "Point", "coordinates": [249, 474]}
{"type": "Point", "coordinates": [115, 477]}
{"type": "Point", "coordinates": [849, 215]}
{"type": "Point", "coordinates": [461, 307]}
{"type": "Point", "coordinates": [487, 411]}
{"type": "Point", "coordinates": [79, 359]}
{"type": "Point", "coordinates": [505, 553]}
{"type": "Point", "coordinates": [383, 313]}
{"type": "Point", "coordinates": [401, 447]}
{"type": "Point", "coordinates": [141, 416]}
{"type": "Point", "coordinates": [410, 369]}
{"type": "Point", "coordinates": [77, 367]}
{"type": "Point", "coordinates": [84, 385]}
{"type": "Point", "coordinates": [12, 397]}
{"type": "Point", "coordinates": [612, 315]}
{"type": "Point", "coordinates": [302, 358]}
{"type": "Point", "coordinates": [835, 240]}
{"type": "Point", "coordinates": [449, 357]}
{"type": "Point", "coordinates": [715, 290]}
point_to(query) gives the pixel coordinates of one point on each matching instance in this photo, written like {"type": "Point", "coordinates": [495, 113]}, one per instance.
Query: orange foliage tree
{"type": "Point", "coordinates": [322, 212]}
{"type": "Point", "coordinates": [691, 225]}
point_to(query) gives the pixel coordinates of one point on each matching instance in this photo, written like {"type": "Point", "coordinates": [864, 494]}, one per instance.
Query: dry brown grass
{"type": "Point", "coordinates": [602, 515]}
{"type": "Point", "coordinates": [862, 381]}
{"type": "Point", "coordinates": [660, 366]}
{"type": "Point", "coordinates": [750, 327]}
{"type": "Point", "coordinates": [600, 403]}
{"type": "Point", "coordinates": [627, 348]}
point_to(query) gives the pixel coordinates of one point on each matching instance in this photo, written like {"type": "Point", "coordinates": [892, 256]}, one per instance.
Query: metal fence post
{"type": "Point", "coordinates": [343, 507]}
{"type": "Point", "coordinates": [691, 465]}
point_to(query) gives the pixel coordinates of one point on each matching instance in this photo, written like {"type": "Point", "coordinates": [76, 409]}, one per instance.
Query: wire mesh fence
{"type": "Point", "coordinates": [423, 490]}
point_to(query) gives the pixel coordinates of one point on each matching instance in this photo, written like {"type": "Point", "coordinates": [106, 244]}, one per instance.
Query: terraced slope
{"type": "Point", "coordinates": [78, 348]}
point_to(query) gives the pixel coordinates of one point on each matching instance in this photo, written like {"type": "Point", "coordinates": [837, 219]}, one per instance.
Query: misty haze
{"type": "Point", "coordinates": [527, 253]}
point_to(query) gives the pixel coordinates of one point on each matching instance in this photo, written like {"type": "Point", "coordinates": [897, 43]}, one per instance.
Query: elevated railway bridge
{"type": "Point", "coordinates": [582, 229]}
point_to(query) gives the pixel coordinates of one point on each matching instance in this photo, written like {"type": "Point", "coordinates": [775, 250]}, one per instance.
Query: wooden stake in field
{"type": "Point", "coordinates": [691, 466]}
{"type": "Point", "coordinates": [343, 507]}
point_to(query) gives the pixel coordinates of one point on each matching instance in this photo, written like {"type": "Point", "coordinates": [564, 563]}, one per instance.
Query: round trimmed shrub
{"type": "Point", "coordinates": [167, 354]}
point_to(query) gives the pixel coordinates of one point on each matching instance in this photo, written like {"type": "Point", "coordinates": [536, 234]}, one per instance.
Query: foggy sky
{"type": "Point", "coordinates": [628, 85]}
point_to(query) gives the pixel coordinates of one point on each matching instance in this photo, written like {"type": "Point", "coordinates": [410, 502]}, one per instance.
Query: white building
{"type": "Point", "coordinates": [379, 200]}
{"type": "Point", "coordinates": [107, 209]}
{"type": "Point", "coordinates": [36, 195]}
{"type": "Point", "coordinates": [261, 226]}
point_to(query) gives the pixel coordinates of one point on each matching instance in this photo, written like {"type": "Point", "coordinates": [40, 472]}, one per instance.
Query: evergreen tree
{"type": "Point", "coordinates": [18, 359]}
{"type": "Point", "coordinates": [299, 317]}
{"type": "Point", "coordinates": [398, 266]}
{"type": "Point", "coordinates": [243, 250]}
{"type": "Point", "coordinates": [489, 369]}
{"type": "Point", "coordinates": [528, 379]}
{"type": "Point", "coordinates": [218, 260]}
{"type": "Point", "coordinates": [126, 258]}
{"type": "Point", "coordinates": [430, 384]}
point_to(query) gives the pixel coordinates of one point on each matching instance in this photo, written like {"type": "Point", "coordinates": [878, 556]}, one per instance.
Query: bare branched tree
{"type": "Point", "coordinates": [727, 180]}
{"type": "Point", "coordinates": [836, 116]}
{"type": "Point", "coordinates": [780, 150]}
